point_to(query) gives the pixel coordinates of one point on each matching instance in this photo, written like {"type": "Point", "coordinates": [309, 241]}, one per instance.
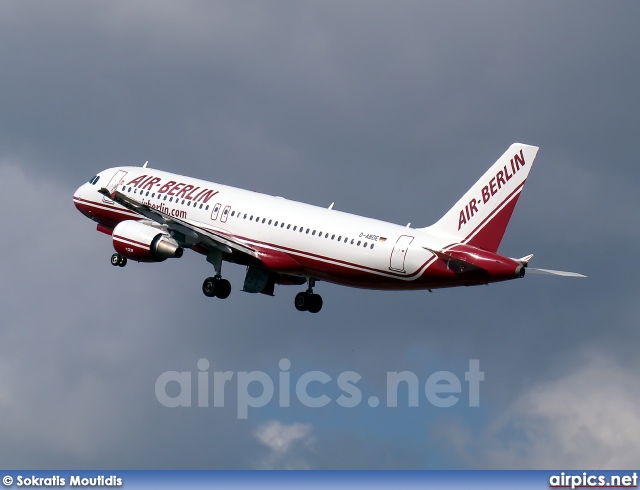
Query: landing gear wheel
{"type": "Point", "coordinates": [216, 286]}
{"type": "Point", "coordinates": [315, 303]}
{"type": "Point", "coordinates": [209, 286]}
{"type": "Point", "coordinates": [118, 260]}
{"type": "Point", "coordinates": [302, 301]}
{"type": "Point", "coordinates": [223, 289]}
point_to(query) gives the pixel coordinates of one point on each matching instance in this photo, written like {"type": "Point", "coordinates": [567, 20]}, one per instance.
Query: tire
{"type": "Point", "coordinates": [122, 261]}
{"type": "Point", "coordinates": [302, 301]}
{"type": "Point", "coordinates": [223, 289]}
{"type": "Point", "coordinates": [115, 260]}
{"type": "Point", "coordinates": [210, 286]}
{"type": "Point", "coordinates": [315, 303]}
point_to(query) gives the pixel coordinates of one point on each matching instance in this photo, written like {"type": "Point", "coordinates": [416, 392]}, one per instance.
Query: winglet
{"type": "Point", "coordinates": [105, 192]}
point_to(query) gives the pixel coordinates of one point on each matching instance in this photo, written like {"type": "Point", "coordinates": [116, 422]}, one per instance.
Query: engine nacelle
{"type": "Point", "coordinates": [144, 243]}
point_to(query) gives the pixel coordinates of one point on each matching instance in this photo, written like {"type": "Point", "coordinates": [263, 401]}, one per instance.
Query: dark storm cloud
{"type": "Point", "coordinates": [392, 111]}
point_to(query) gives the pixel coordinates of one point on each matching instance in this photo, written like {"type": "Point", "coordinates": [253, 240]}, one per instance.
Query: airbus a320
{"type": "Point", "coordinates": [152, 216]}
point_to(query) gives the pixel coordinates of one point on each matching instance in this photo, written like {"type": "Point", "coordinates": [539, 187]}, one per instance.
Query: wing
{"type": "Point", "coordinates": [193, 234]}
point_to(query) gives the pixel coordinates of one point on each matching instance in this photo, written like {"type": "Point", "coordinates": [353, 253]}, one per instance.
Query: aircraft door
{"type": "Point", "coordinates": [113, 183]}
{"type": "Point", "coordinates": [215, 211]}
{"type": "Point", "coordinates": [225, 214]}
{"type": "Point", "coordinates": [399, 253]}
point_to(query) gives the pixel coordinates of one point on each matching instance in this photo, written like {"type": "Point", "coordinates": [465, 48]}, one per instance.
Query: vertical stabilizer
{"type": "Point", "coordinates": [481, 216]}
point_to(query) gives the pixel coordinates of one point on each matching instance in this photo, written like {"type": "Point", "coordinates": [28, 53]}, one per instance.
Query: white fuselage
{"type": "Point", "coordinates": [331, 245]}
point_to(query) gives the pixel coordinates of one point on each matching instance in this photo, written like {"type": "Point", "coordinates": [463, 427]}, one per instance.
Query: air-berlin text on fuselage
{"type": "Point", "coordinates": [173, 188]}
{"type": "Point", "coordinates": [491, 189]}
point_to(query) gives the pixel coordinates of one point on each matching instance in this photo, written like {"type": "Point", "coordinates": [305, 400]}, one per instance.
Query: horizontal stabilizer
{"type": "Point", "coordinates": [446, 257]}
{"type": "Point", "coordinates": [553, 273]}
{"type": "Point", "coordinates": [524, 260]}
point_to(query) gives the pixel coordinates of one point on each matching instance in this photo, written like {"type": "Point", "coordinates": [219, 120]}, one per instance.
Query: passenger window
{"type": "Point", "coordinates": [371, 246]}
{"type": "Point", "coordinates": [359, 242]}
{"type": "Point", "coordinates": [365, 245]}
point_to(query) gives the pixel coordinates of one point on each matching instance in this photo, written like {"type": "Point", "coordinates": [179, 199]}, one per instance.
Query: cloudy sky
{"type": "Point", "coordinates": [390, 109]}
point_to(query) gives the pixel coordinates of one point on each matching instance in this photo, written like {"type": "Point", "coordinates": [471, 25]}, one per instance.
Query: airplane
{"type": "Point", "coordinates": [152, 215]}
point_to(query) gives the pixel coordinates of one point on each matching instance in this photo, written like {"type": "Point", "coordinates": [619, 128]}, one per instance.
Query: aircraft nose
{"type": "Point", "coordinates": [79, 198]}
{"type": "Point", "coordinates": [79, 192]}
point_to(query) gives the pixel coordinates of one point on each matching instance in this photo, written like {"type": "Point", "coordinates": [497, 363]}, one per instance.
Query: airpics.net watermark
{"type": "Point", "coordinates": [257, 389]}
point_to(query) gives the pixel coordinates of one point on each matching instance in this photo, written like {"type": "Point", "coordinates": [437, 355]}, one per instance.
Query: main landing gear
{"type": "Point", "coordinates": [216, 286]}
{"type": "Point", "coordinates": [308, 300]}
{"type": "Point", "coordinates": [118, 260]}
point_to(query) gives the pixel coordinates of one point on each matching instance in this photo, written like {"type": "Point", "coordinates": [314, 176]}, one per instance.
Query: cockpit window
{"type": "Point", "coordinates": [94, 180]}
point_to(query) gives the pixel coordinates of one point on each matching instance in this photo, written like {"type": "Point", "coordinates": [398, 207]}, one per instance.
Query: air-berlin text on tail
{"type": "Point", "coordinates": [172, 188]}
{"type": "Point", "coordinates": [491, 189]}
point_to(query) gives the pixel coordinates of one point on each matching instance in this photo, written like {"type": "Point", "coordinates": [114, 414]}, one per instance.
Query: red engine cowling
{"type": "Point", "coordinates": [144, 243]}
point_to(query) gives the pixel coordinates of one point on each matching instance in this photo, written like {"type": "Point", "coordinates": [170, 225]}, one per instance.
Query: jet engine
{"type": "Point", "coordinates": [144, 243]}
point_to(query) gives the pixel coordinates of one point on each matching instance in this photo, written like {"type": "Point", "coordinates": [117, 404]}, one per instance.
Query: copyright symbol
{"type": "Point", "coordinates": [7, 481]}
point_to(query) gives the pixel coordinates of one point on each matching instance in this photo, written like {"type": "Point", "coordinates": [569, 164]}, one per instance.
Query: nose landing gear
{"type": "Point", "coordinates": [118, 260]}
